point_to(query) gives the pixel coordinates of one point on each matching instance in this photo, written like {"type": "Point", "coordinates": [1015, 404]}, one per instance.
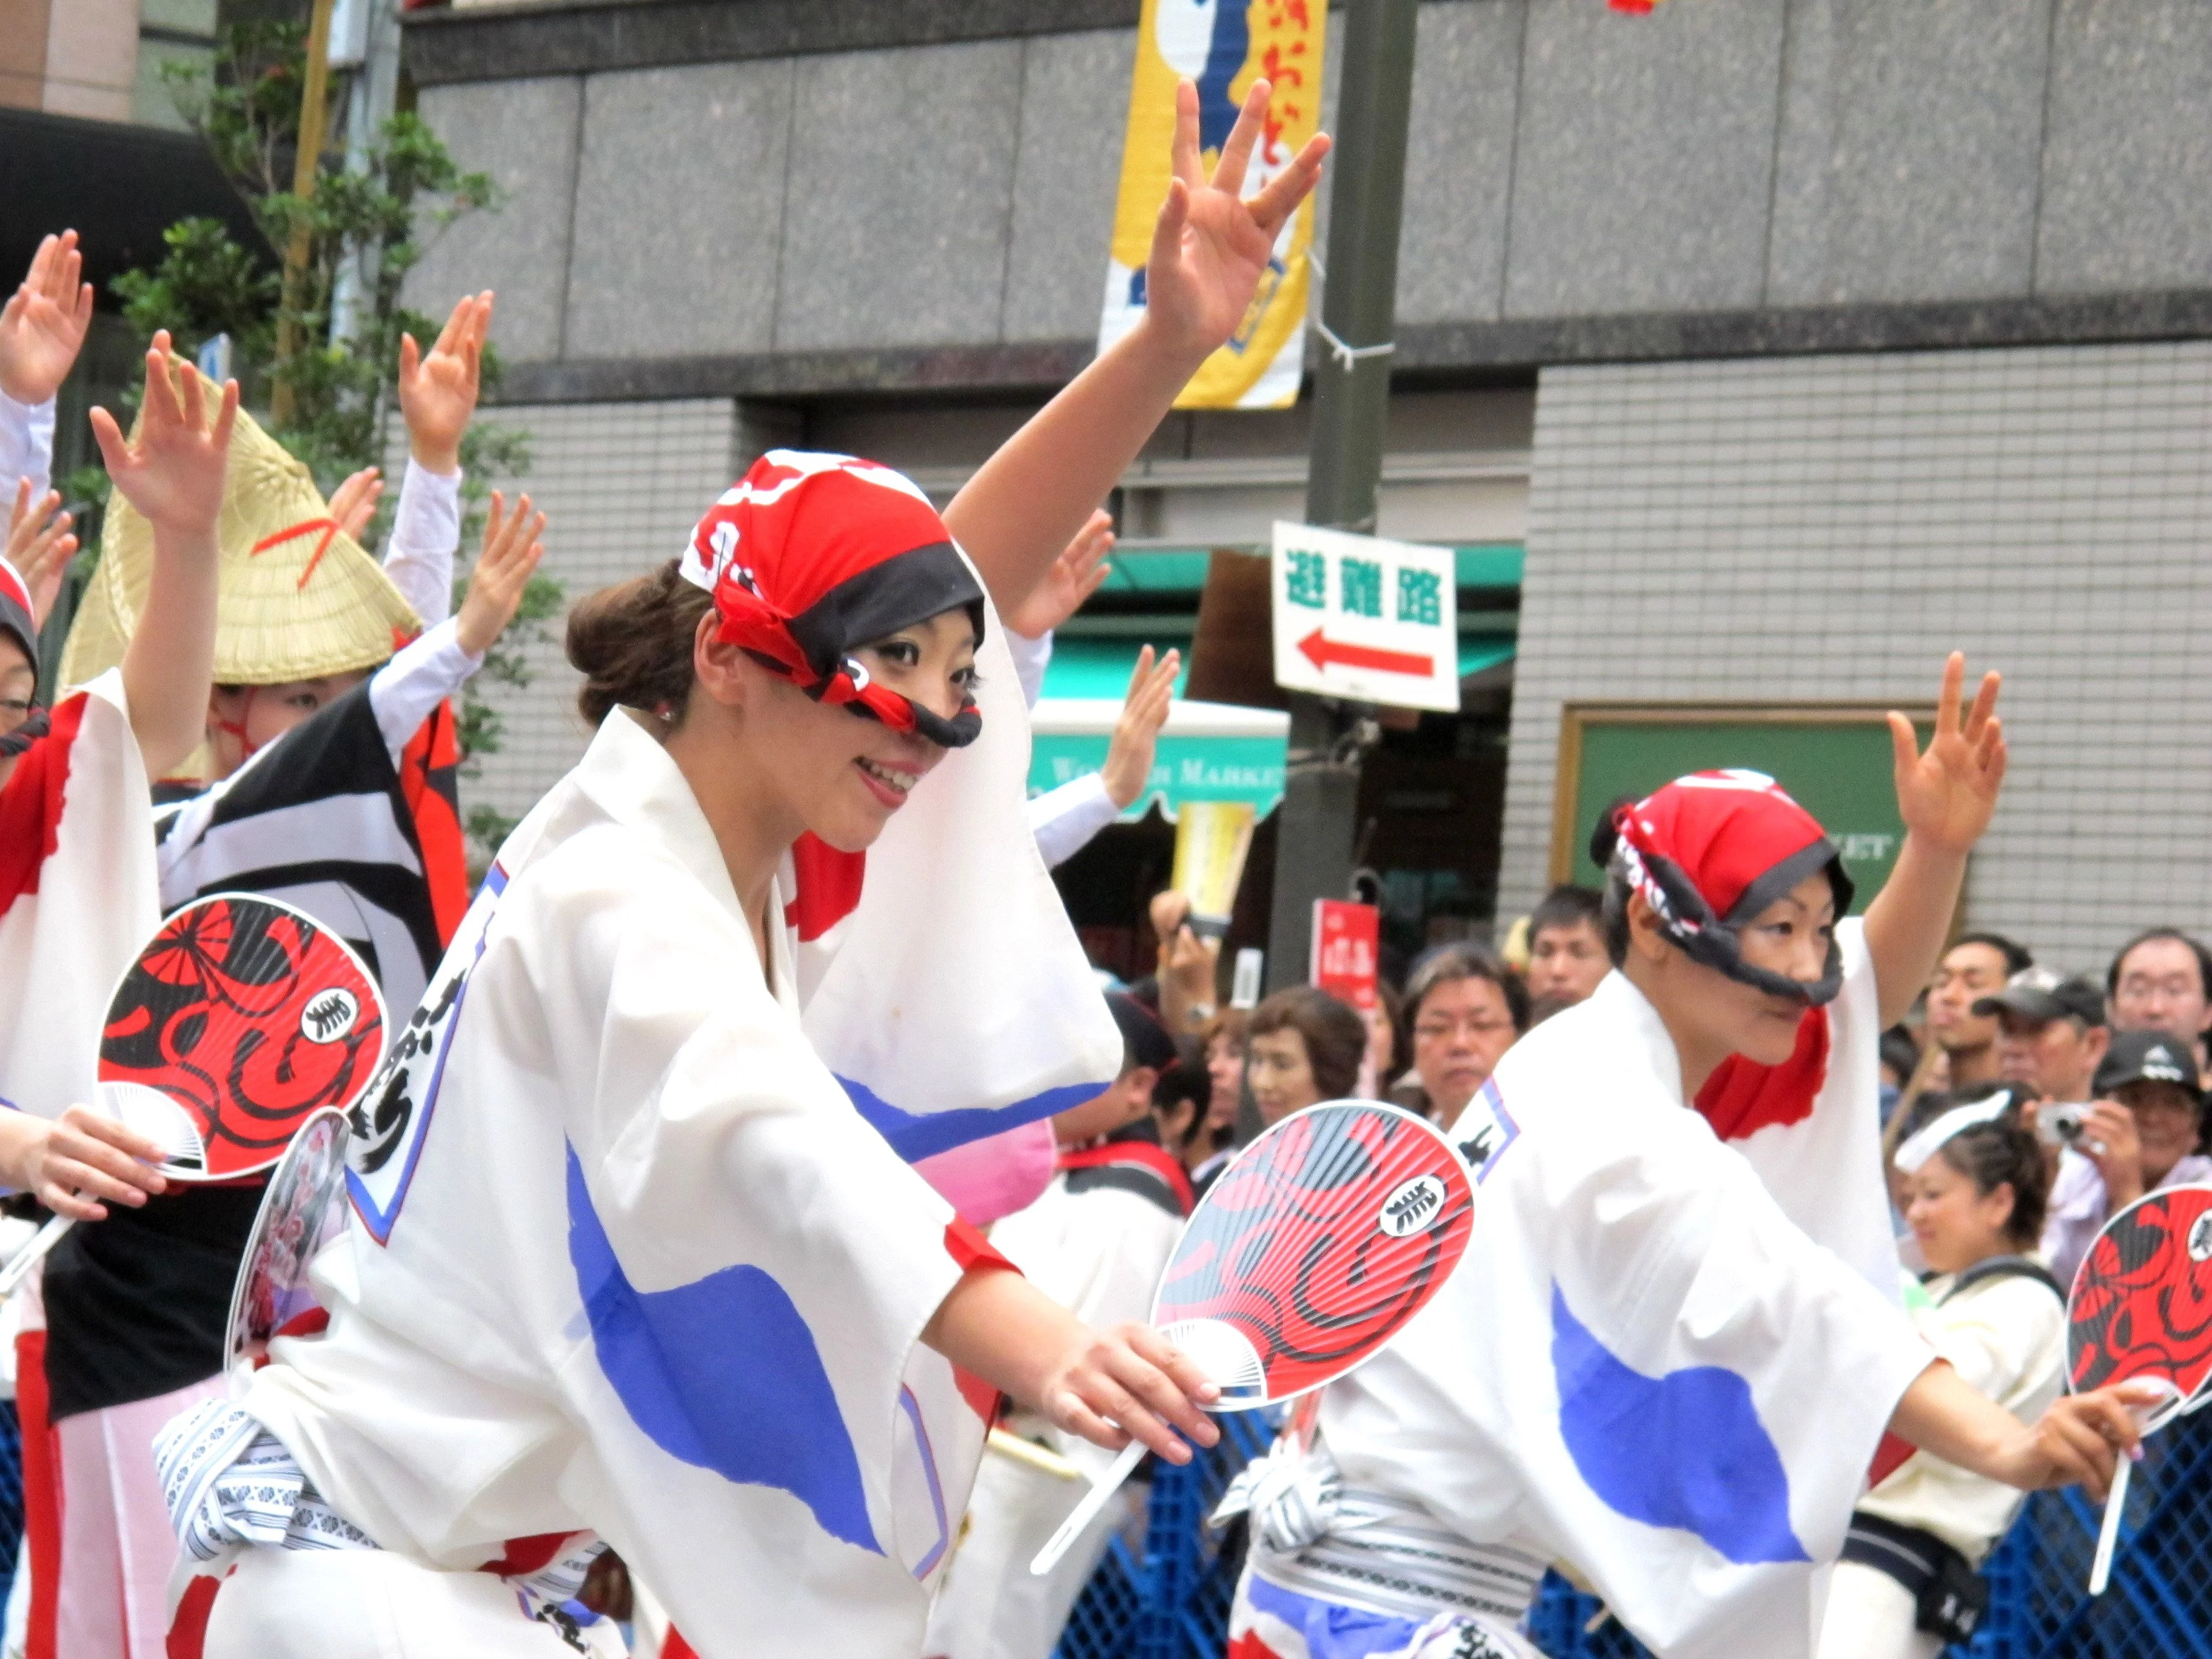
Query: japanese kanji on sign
{"type": "Point", "coordinates": [1371, 620]}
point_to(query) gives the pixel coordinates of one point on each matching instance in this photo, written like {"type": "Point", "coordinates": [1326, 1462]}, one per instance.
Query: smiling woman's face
{"type": "Point", "coordinates": [18, 682]}
{"type": "Point", "coordinates": [842, 776]}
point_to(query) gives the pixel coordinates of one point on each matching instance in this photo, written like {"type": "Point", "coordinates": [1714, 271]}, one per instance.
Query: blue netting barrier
{"type": "Point", "coordinates": [1174, 1603]}
{"type": "Point", "coordinates": [11, 1490]}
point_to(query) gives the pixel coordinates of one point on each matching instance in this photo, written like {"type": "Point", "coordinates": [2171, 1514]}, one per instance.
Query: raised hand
{"type": "Point", "coordinates": [1075, 575]}
{"type": "Point", "coordinates": [353, 503]}
{"type": "Point", "coordinates": [438, 393]}
{"type": "Point", "coordinates": [1137, 733]}
{"type": "Point", "coordinates": [511, 553]}
{"type": "Point", "coordinates": [173, 473]}
{"type": "Point", "coordinates": [1211, 246]}
{"type": "Point", "coordinates": [1947, 795]}
{"type": "Point", "coordinates": [42, 325]}
{"type": "Point", "coordinates": [40, 546]}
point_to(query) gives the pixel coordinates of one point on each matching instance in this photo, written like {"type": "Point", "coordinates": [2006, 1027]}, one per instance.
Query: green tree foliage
{"type": "Point", "coordinates": [370, 222]}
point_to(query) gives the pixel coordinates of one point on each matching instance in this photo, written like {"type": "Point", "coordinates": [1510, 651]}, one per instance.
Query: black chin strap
{"type": "Point", "coordinates": [35, 725]}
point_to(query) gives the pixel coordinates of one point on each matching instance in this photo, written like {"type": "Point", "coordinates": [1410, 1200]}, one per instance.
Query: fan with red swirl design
{"type": "Point", "coordinates": [238, 1020]}
{"type": "Point", "coordinates": [2141, 1307]}
{"type": "Point", "coordinates": [1311, 1251]}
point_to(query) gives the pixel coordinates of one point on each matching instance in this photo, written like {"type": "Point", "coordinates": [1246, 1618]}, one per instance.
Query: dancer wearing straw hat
{"type": "Point", "coordinates": [78, 880]}
{"type": "Point", "coordinates": [316, 808]}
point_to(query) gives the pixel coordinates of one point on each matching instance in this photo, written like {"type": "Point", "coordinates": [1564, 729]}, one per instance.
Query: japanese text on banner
{"type": "Point", "coordinates": [1223, 47]}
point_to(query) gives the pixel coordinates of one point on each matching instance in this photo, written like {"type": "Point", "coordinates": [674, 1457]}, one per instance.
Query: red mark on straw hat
{"type": "Point", "coordinates": [328, 526]}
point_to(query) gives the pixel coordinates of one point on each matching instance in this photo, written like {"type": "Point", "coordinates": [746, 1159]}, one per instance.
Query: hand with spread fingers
{"type": "Point", "coordinates": [40, 546]}
{"type": "Point", "coordinates": [43, 324]}
{"type": "Point", "coordinates": [1137, 733]}
{"type": "Point", "coordinates": [1210, 246]}
{"type": "Point", "coordinates": [1130, 1384]}
{"type": "Point", "coordinates": [438, 393]}
{"type": "Point", "coordinates": [353, 503]}
{"type": "Point", "coordinates": [511, 553]}
{"type": "Point", "coordinates": [1947, 794]}
{"type": "Point", "coordinates": [1075, 575]}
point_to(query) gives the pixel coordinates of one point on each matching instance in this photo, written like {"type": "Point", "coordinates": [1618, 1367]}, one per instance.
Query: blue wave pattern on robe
{"type": "Point", "coordinates": [1685, 1449]}
{"type": "Point", "coordinates": [723, 1374]}
{"type": "Point", "coordinates": [917, 1136]}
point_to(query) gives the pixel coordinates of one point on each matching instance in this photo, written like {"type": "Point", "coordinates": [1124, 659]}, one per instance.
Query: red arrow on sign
{"type": "Point", "coordinates": [1321, 650]}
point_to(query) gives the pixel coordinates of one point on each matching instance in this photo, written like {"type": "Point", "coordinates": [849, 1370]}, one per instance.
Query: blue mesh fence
{"type": "Point", "coordinates": [11, 1490]}
{"type": "Point", "coordinates": [1174, 1602]}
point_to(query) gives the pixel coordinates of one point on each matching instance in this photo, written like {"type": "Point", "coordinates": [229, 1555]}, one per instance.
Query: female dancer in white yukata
{"type": "Point", "coordinates": [625, 1263]}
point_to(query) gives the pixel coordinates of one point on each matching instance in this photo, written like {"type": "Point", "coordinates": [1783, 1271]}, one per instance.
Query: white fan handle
{"type": "Point", "coordinates": [20, 1264]}
{"type": "Point", "coordinates": [2108, 1536]}
{"type": "Point", "coordinates": [1087, 1511]}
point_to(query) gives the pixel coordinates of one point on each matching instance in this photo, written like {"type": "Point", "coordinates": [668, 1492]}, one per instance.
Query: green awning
{"type": "Point", "coordinates": [1085, 666]}
{"type": "Point", "coordinates": [1209, 751]}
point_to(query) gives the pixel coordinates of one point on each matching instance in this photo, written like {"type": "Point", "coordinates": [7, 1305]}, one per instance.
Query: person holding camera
{"type": "Point", "coordinates": [2144, 1130]}
{"type": "Point", "coordinates": [2051, 1033]}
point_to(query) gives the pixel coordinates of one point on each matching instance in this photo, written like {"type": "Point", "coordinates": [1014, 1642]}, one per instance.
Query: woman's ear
{"type": "Point", "coordinates": [723, 670]}
{"type": "Point", "coordinates": [1999, 1203]}
{"type": "Point", "coordinates": [1645, 937]}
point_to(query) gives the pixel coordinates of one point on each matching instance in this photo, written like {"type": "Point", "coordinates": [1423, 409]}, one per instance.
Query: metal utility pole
{"type": "Point", "coordinates": [1352, 393]}
{"type": "Point", "coordinates": [314, 95]}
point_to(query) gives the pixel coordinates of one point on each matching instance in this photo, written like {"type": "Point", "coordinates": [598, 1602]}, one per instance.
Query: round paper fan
{"type": "Point", "coordinates": [302, 1209]}
{"type": "Point", "coordinates": [240, 1018]}
{"type": "Point", "coordinates": [1313, 1249]}
{"type": "Point", "coordinates": [2141, 1302]}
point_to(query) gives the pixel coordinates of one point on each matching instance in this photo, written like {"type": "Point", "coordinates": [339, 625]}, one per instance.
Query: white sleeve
{"type": "Point", "coordinates": [1031, 657]}
{"type": "Point", "coordinates": [426, 530]}
{"type": "Point", "coordinates": [429, 669]}
{"type": "Point", "coordinates": [1064, 820]}
{"type": "Point", "coordinates": [27, 446]}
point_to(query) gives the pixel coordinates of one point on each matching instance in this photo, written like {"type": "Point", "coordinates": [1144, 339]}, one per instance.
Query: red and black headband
{"type": "Point", "coordinates": [810, 557]}
{"type": "Point", "coordinates": [1710, 851]}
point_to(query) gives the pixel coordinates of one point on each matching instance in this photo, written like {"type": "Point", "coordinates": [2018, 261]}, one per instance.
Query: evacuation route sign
{"type": "Point", "coordinates": [1367, 620]}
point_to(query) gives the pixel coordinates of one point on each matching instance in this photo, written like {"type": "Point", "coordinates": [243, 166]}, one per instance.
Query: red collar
{"type": "Point", "coordinates": [1136, 1154]}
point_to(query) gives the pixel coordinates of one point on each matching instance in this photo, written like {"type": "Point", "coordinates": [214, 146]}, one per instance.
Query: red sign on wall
{"type": "Point", "coordinates": [1346, 938]}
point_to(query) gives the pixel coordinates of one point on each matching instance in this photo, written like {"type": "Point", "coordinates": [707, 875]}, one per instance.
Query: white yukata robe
{"type": "Point", "coordinates": [624, 1258]}
{"type": "Point", "coordinates": [1641, 1365]}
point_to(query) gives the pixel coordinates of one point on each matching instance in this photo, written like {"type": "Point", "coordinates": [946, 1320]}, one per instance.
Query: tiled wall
{"type": "Point", "coordinates": [1819, 529]}
{"type": "Point", "coordinates": [621, 486]}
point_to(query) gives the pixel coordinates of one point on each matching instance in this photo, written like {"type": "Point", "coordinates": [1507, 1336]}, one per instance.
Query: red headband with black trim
{"type": "Point", "coordinates": [15, 618]}
{"type": "Point", "coordinates": [810, 557]}
{"type": "Point", "coordinates": [1710, 851]}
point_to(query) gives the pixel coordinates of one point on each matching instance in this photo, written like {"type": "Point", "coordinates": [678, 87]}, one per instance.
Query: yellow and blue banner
{"type": "Point", "coordinates": [1223, 47]}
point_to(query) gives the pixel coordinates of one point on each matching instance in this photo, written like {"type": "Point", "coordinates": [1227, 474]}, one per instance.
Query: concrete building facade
{"type": "Point", "coordinates": [1673, 247]}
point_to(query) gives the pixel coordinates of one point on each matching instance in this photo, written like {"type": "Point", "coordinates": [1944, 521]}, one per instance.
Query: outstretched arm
{"type": "Point", "coordinates": [173, 475]}
{"type": "Point", "coordinates": [2080, 1438]}
{"type": "Point", "coordinates": [1209, 250]}
{"type": "Point", "coordinates": [1946, 797]}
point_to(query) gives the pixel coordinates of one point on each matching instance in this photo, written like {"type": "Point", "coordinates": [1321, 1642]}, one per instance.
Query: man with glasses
{"type": "Point", "coordinates": [1465, 1008]}
{"type": "Point", "coordinates": [2159, 983]}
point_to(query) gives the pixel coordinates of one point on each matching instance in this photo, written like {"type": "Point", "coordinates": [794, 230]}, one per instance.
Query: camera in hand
{"type": "Point", "coordinates": [2060, 1123]}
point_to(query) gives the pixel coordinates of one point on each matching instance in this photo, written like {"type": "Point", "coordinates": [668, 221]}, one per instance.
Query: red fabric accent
{"type": "Point", "coordinates": [983, 1399]}
{"type": "Point", "coordinates": [42, 1495]}
{"type": "Point", "coordinates": [526, 1555]}
{"type": "Point", "coordinates": [428, 768]}
{"type": "Point", "coordinates": [1742, 1096]}
{"type": "Point", "coordinates": [971, 1250]}
{"type": "Point", "coordinates": [188, 1627]}
{"type": "Point", "coordinates": [795, 528]}
{"type": "Point", "coordinates": [1722, 830]}
{"type": "Point", "coordinates": [314, 1321]}
{"type": "Point", "coordinates": [829, 886]}
{"type": "Point", "coordinates": [1138, 1154]}
{"type": "Point", "coordinates": [1249, 1646]}
{"type": "Point", "coordinates": [1888, 1456]}
{"type": "Point", "coordinates": [13, 588]}
{"type": "Point", "coordinates": [675, 1647]}
{"type": "Point", "coordinates": [31, 803]}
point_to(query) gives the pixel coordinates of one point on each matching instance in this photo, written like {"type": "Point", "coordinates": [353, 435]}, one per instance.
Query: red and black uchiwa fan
{"type": "Point", "coordinates": [1311, 1251]}
{"type": "Point", "coordinates": [240, 1018]}
{"type": "Point", "coordinates": [2141, 1307]}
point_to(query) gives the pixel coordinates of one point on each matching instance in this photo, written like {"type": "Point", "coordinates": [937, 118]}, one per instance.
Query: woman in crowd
{"type": "Point", "coordinates": [649, 1278]}
{"type": "Point", "coordinates": [1464, 1009]}
{"type": "Point", "coordinates": [1975, 1192]}
{"type": "Point", "coordinates": [1303, 1046]}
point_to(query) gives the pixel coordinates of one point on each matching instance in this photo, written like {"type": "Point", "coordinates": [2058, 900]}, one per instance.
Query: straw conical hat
{"type": "Point", "coordinates": [297, 599]}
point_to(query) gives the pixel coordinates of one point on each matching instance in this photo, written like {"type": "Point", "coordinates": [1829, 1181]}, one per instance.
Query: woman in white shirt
{"type": "Point", "coordinates": [1907, 1584]}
